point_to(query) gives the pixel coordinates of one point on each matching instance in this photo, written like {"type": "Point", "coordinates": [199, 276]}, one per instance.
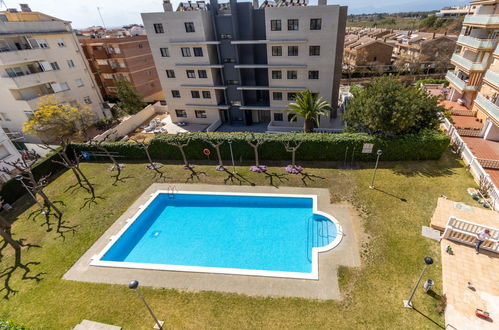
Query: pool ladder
{"type": "Point", "coordinates": [171, 191]}
{"type": "Point", "coordinates": [321, 237]}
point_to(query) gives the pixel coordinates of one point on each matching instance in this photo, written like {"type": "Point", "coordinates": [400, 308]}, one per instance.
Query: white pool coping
{"type": "Point", "coordinates": [314, 275]}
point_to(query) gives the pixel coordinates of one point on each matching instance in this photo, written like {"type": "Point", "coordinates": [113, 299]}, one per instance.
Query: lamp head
{"type": "Point", "coordinates": [229, 141]}
{"type": "Point", "coordinates": [379, 152]}
{"type": "Point", "coordinates": [133, 284]}
{"type": "Point", "coordinates": [428, 260]}
{"type": "Point", "coordinates": [19, 177]}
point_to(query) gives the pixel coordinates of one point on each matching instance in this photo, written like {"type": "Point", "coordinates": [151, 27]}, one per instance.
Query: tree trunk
{"type": "Point", "coordinates": [309, 126]}
{"type": "Point", "coordinates": [293, 153]}
{"type": "Point", "coordinates": [257, 161]}
{"type": "Point", "coordinates": [219, 155]}
{"type": "Point", "coordinates": [186, 163]}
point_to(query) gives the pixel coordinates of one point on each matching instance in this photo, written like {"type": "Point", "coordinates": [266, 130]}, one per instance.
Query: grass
{"type": "Point", "coordinates": [392, 255]}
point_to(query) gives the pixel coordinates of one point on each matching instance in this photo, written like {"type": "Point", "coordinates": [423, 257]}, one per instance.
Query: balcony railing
{"type": "Point", "coordinates": [492, 77]}
{"type": "Point", "coordinates": [481, 20]}
{"type": "Point", "coordinates": [458, 59]}
{"type": "Point", "coordinates": [487, 105]}
{"type": "Point", "coordinates": [460, 84]}
{"type": "Point", "coordinates": [476, 42]}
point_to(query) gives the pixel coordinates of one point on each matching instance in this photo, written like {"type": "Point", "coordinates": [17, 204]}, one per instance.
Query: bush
{"type": "Point", "coordinates": [9, 325]}
{"type": "Point", "coordinates": [12, 190]}
{"type": "Point", "coordinates": [431, 81]}
{"type": "Point", "coordinates": [428, 144]}
{"type": "Point", "coordinates": [105, 123]}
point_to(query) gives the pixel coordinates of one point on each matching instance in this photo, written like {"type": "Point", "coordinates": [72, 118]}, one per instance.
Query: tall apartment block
{"type": "Point", "coordinates": [474, 82]}
{"type": "Point", "coordinates": [8, 153]}
{"type": "Point", "coordinates": [40, 55]}
{"type": "Point", "coordinates": [242, 63]}
{"type": "Point", "coordinates": [126, 58]}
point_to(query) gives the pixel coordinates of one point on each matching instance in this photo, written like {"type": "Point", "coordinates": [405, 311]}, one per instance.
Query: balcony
{"type": "Point", "coordinates": [493, 78]}
{"type": "Point", "coordinates": [20, 56]}
{"type": "Point", "coordinates": [476, 43]}
{"type": "Point", "coordinates": [460, 84]}
{"type": "Point", "coordinates": [488, 106]}
{"type": "Point", "coordinates": [33, 79]}
{"type": "Point", "coordinates": [466, 64]}
{"type": "Point", "coordinates": [482, 20]}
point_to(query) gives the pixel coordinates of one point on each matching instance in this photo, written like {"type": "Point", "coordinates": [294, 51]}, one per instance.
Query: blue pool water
{"type": "Point", "coordinates": [226, 231]}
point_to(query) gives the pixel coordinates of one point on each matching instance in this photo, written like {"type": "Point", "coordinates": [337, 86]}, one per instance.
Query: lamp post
{"type": "Point", "coordinates": [428, 261]}
{"type": "Point", "coordinates": [379, 153]}
{"type": "Point", "coordinates": [134, 285]}
{"type": "Point", "coordinates": [20, 179]}
{"type": "Point", "coordinates": [232, 157]}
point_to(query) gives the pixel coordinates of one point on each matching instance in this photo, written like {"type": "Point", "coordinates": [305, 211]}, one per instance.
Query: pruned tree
{"type": "Point", "coordinates": [292, 146]}
{"type": "Point", "coordinates": [176, 141]}
{"type": "Point", "coordinates": [99, 145]}
{"type": "Point", "coordinates": [152, 165]}
{"type": "Point", "coordinates": [216, 146]}
{"type": "Point", "coordinates": [255, 143]}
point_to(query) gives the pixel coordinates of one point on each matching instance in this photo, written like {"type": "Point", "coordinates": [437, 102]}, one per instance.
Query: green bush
{"type": "Point", "coordinates": [431, 81]}
{"type": "Point", "coordinates": [9, 325]}
{"type": "Point", "coordinates": [429, 144]}
{"type": "Point", "coordinates": [12, 190]}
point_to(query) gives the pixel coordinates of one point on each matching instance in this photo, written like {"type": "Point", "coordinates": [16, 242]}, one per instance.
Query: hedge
{"type": "Point", "coordinates": [429, 144]}
{"type": "Point", "coordinates": [12, 190]}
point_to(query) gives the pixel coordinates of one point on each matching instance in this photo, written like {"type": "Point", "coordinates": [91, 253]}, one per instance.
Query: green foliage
{"type": "Point", "coordinates": [428, 22]}
{"type": "Point", "coordinates": [387, 107]}
{"type": "Point", "coordinates": [129, 101]}
{"type": "Point", "coordinates": [428, 144]}
{"type": "Point", "coordinates": [105, 123]}
{"type": "Point", "coordinates": [431, 81]}
{"type": "Point", "coordinates": [309, 106]}
{"type": "Point", "coordinates": [9, 325]}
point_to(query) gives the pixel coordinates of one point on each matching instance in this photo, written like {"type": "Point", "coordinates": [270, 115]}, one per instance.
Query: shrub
{"type": "Point", "coordinates": [9, 325]}
{"type": "Point", "coordinates": [431, 81]}
{"type": "Point", "coordinates": [428, 144]}
{"type": "Point", "coordinates": [105, 123]}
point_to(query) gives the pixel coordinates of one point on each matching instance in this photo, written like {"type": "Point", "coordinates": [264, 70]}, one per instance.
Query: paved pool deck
{"type": "Point", "coordinates": [325, 288]}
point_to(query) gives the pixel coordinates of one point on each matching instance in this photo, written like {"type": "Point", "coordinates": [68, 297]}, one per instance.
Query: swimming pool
{"type": "Point", "coordinates": [232, 233]}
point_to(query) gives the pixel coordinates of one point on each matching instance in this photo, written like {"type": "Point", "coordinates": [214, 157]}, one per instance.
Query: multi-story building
{"type": "Point", "coordinates": [366, 53]}
{"type": "Point", "coordinates": [40, 55]}
{"type": "Point", "coordinates": [456, 11]}
{"type": "Point", "coordinates": [8, 153]}
{"type": "Point", "coordinates": [126, 58]}
{"type": "Point", "coordinates": [242, 63]}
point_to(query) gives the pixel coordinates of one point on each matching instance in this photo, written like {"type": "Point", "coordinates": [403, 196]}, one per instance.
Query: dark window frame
{"type": "Point", "coordinates": [206, 94]}
{"type": "Point", "coordinates": [189, 27]}
{"type": "Point", "coordinates": [293, 24]}
{"type": "Point", "coordinates": [185, 51]}
{"type": "Point", "coordinates": [276, 50]}
{"type": "Point", "coordinates": [190, 74]}
{"type": "Point", "coordinates": [195, 95]}
{"type": "Point", "coordinates": [175, 93]}
{"type": "Point", "coordinates": [315, 24]}
{"type": "Point", "coordinates": [276, 74]}
{"type": "Point", "coordinates": [279, 98]}
{"type": "Point", "coordinates": [313, 74]}
{"type": "Point", "coordinates": [275, 25]}
{"type": "Point", "coordinates": [292, 74]}
{"type": "Point", "coordinates": [198, 51]}
{"type": "Point", "coordinates": [180, 113]}
{"type": "Point", "coordinates": [170, 73]}
{"type": "Point", "coordinates": [158, 28]}
{"type": "Point", "coordinates": [165, 52]}
{"type": "Point", "coordinates": [202, 74]}
{"type": "Point", "coordinates": [293, 50]}
{"type": "Point", "coordinates": [201, 114]}
{"type": "Point", "coordinates": [278, 116]}
{"type": "Point", "coordinates": [291, 96]}
{"type": "Point", "coordinates": [314, 50]}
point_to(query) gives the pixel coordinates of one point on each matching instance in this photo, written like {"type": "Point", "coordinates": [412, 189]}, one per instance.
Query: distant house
{"type": "Point", "coordinates": [366, 53]}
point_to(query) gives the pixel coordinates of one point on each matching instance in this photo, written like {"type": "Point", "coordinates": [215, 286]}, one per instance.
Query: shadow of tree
{"type": "Point", "coordinates": [391, 195]}
{"type": "Point", "coordinates": [280, 177]}
{"type": "Point", "coordinates": [236, 177]}
{"type": "Point", "coordinates": [428, 318]}
{"type": "Point", "coordinates": [194, 174]}
{"type": "Point", "coordinates": [311, 177]}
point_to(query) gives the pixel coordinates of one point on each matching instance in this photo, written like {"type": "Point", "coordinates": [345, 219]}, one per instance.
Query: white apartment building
{"type": "Point", "coordinates": [242, 63]}
{"type": "Point", "coordinates": [40, 55]}
{"type": "Point", "coordinates": [8, 153]}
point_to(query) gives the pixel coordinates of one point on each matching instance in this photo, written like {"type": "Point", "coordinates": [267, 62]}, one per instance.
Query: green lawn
{"type": "Point", "coordinates": [391, 256]}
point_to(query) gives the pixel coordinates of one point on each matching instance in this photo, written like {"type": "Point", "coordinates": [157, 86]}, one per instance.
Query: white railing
{"type": "Point", "coordinates": [476, 169]}
{"type": "Point", "coordinates": [465, 232]}
{"type": "Point", "coordinates": [214, 126]}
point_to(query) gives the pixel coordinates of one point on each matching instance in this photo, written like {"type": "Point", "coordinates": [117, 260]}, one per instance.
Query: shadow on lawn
{"type": "Point", "coordinates": [391, 195]}
{"type": "Point", "coordinates": [430, 168]}
{"type": "Point", "coordinates": [428, 318]}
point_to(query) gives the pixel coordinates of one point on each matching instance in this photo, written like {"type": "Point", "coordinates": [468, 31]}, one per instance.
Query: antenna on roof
{"type": "Point", "coordinates": [103, 24]}
{"type": "Point", "coordinates": [2, 2]}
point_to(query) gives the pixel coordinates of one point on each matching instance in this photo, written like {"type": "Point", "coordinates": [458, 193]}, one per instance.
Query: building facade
{"type": "Point", "coordinates": [40, 55]}
{"type": "Point", "coordinates": [126, 58]}
{"type": "Point", "coordinates": [366, 53]}
{"type": "Point", "coordinates": [242, 63]}
{"type": "Point", "coordinates": [8, 153]}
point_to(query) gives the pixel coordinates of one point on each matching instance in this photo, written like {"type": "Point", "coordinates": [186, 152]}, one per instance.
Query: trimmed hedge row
{"type": "Point", "coordinates": [429, 144]}
{"type": "Point", "coordinates": [12, 190]}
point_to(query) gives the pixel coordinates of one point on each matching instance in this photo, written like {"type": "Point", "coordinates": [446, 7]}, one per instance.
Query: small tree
{"type": "Point", "coordinates": [176, 141]}
{"type": "Point", "coordinates": [129, 101]}
{"type": "Point", "coordinates": [309, 106]}
{"type": "Point", "coordinates": [152, 165]}
{"type": "Point", "coordinates": [387, 107]}
{"type": "Point", "coordinates": [255, 143]}
{"type": "Point", "coordinates": [216, 146]}
{"type": "Point", "coordinates": [292, 146]}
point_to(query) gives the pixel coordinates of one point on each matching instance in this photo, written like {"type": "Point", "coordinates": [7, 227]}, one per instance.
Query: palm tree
{"type": "Point", "coordinates": [309, 106]}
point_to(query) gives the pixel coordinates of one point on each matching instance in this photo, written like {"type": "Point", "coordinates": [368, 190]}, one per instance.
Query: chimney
{"type": "Point", "coordinates": [25, 8]}
{"type": "Point", "coordinates": [167, 5]}
{"type": "Point", "coordinates": [322, 3]}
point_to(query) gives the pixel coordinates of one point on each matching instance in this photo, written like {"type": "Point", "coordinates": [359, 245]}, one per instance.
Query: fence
{"type": "Point", "coordinates": [466, 232]}
{"type": "Point", "coordinates": [476, 169]}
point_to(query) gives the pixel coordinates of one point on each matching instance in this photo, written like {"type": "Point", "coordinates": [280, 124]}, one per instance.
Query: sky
{"type": "Point", "coordinates": [83, 13]}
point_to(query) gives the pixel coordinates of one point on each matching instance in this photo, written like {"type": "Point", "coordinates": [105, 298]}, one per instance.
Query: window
{"type": "Point", "coordinates": [291, 96]}
{"type": "Point", "coordinates": [276, 50]}
{"type": "Point", "coordinates": [200, 113]}
{"type": "Point", "coordinates": [4, 116]}
{"type": "Point", "coordinates": [42, 43]}
{"type": "Point", "coordinates": [278, 117]}
{"type": "Point", "coordinates": [55, 66]}
{"type": "Point", "coordinates": [314, 50]}
{"type": "Point", "coordinates": [206, 95]}
{"type": "Point", "coordinates": [102, 62]}
{"type": "Point", "coordinates": [291, 117]}
{"type": "Point", "coordinates": [60, 43]}
{"type": "Point", "coordinates": [229, 60]}
{"type": "Point", "coordinates": [232, 82]}
{"type": "Point", "coordinates": [158, 28]}
{"type": "Point", "coordinates": [117, 50]}
{"type": "Point", "coordinates": [198, 51]}
{"type": "Point", "coordinates": [315, 23]}
{"type": "Point", "coordinates": [276, 75]}
{"type": "Point", "coordinates": [225, 36]}
{"type": "Point", "coordinates": [186, 51]}
{"type": "Point", "coordinates": [195, 94]}
{"type": "Point", "coordinates": [190, 73]}
{"type": "Point", "coordinates": [189, 27]}
{"type": "Point", "coordinates": [292, 25]}
{"type": "Point", "coordinates": [181, 113]}
{"type": "Point", "coordinates": [107, 76]}
{"type": "Point", "coordinates": [292, 50]}
{"type": "Point", "coordinates": [170, 74]}
{"type": "Point", "coordinates": [164, 52]}
{"type": "Point", "coordinates": [275, 25]}
{"type": "Point", "coordinates": [277, 96]}
{"type": "Point", "coordinates": [202, 74]}
{"type": "Point", "coordinates": [79, 83]}
{"type": "Point", "coordinates": [292, 74]}
{"type": "Point", "coordinates": [313, 75]}
{"type": "Point", "coordinates": [87, 100]}
{"type": "Point", "coordinates": [71, 64]}
{"type": "Point", "coordinates": [176, 93]}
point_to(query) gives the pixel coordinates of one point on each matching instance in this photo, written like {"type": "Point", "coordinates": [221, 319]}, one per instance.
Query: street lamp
{"type": "Point", "coordinates": [20, 179]}
{"type": "Point", "coordinates": [427, 261]}
{"type": "Point", "coordinates": [134, 285]}
{"type": "Point", "coordinates": [232, 157]}
{"type": "Point", "coordinates": [379, 153]}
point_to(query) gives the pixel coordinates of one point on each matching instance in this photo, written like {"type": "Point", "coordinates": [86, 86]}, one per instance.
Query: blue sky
{"type": "Point", "coordinates": [83, 13]}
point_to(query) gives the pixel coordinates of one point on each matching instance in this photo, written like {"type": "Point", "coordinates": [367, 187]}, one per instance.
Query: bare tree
{"type": "Point", "coordinates": [216, 146]}
{"type": "Point", "coordinates": [152, 165]}
{"type": "Point", "coordinates": [181, 145]}
{"type": "Point", "coordinates": [256, 143]}
{"type": "Point", "coordinates": [116, 166]}
{"type": "Point", "coordinates": [292, 146]}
